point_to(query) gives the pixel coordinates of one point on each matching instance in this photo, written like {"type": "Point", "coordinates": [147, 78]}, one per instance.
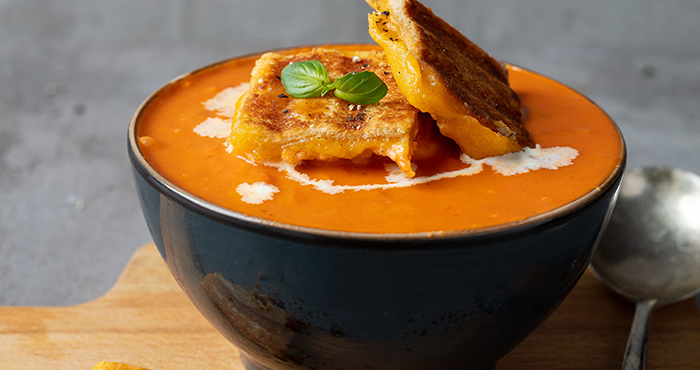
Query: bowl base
{"type": "Point", "coordinates": [249, 364]}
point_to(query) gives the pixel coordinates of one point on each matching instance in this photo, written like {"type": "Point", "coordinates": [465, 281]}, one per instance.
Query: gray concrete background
{"type": "Point", "coordinates": [72, 72]}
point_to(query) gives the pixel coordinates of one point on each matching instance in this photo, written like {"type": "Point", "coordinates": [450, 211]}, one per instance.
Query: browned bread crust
{"type": "Point", "coordinates": [271, 126]}
{"type": "Point", "coordinates": [472, 76]}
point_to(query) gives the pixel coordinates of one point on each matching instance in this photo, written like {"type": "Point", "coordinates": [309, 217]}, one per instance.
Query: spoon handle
{"type": "Point", "coordinates": [636, 352]}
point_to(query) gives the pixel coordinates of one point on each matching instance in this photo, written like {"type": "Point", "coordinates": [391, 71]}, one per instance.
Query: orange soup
{"type": "Point", "coordinates": [449, 191]}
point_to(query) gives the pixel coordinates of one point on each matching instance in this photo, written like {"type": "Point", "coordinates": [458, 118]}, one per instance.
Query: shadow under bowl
{"type": "Point", "coordinates": [292, 297]}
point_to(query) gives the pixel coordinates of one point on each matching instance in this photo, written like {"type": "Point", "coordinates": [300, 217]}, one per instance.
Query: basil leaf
{"type": "Point", "coordinates": [309, 79]}
{"type": "Point", "coordinates": [305, 79]}
{"type": "Point", "coordinates": [362, 88]}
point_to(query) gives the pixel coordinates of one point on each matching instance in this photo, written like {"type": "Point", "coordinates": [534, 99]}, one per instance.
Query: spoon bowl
{"type": "Point", "coordinates": [650, 251]}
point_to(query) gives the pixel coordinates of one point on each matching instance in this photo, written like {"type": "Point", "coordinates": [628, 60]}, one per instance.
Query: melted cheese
{"type": "Point", "coordinates": [423, 91]}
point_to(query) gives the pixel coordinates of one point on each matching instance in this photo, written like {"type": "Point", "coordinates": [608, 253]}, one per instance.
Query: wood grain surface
{"type": "Point", "coordinates": [146, 320]}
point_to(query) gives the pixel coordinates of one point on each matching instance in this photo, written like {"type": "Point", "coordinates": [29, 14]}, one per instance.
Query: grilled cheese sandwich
{"type": "Point", "coordinates": [443, 73]}
{"type": "Point", "coordinates": [271, 126]}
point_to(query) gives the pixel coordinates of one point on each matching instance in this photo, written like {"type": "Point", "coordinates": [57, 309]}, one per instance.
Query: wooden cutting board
{"type": "Point", "coordinates": [146, 320]}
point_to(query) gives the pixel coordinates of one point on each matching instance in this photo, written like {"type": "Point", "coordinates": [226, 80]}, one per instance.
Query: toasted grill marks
{"type": "Point", "coordinates": [441, 36]}
{"type": "Point", "coordinates": [475, 84]}
{"type": "Point", "coordinates": [354, 121]}
{"type": "Point", "coordinates": [473, 76]}
{"type": "Point", "coordinates": [271, 126]}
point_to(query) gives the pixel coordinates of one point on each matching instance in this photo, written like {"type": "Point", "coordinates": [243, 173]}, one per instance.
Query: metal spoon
{"type": "Point", "coordinates": [650, 251]}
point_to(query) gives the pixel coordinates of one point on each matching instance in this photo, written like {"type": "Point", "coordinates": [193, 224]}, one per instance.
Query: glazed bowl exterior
{"type": "Point", "coordinates": [299, 298]}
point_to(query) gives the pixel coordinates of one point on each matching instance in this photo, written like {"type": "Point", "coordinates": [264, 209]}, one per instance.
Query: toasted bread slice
{"type": "Point", "coordinates": [443, 73]}
{"type": "Point", "coordinates": [271, 126]}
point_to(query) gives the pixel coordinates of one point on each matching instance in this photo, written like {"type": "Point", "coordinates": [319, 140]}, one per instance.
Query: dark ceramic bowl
{"type": "Point", "coordinates": [299, 298]}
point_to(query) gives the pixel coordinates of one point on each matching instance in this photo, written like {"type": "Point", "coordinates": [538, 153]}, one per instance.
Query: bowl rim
{"type": "Point", "coordinates": [269, 227]}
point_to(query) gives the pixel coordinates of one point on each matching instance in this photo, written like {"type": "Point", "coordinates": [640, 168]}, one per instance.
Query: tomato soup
{"type": "Point", "coordinates": [449, 192]}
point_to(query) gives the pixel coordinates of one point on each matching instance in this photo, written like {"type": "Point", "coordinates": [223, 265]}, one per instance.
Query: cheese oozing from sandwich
{"type": "Point", "coordinates": [443, 73]}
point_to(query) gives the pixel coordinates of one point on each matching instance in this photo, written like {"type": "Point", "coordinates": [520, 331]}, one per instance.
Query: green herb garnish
{"type": "Point", "coordinates": [310, 79]}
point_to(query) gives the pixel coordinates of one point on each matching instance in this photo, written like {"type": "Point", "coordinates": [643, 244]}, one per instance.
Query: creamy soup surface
{"type": "Point", "coordinates": [182, 133]}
